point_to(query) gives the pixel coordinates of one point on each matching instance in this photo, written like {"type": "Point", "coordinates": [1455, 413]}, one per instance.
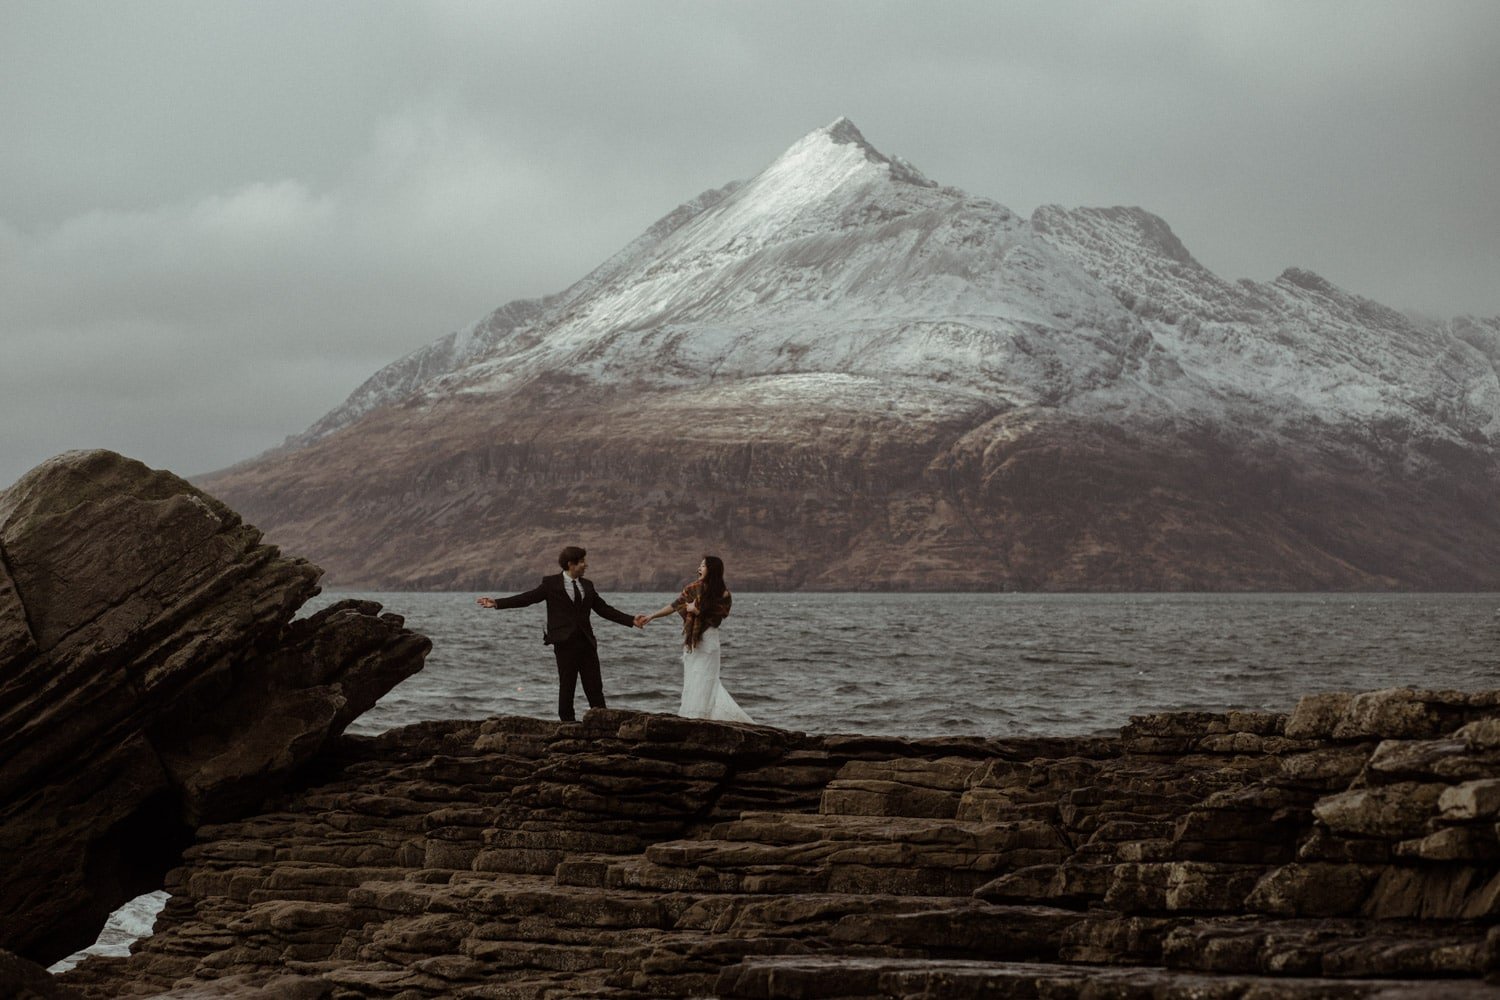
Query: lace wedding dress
{"type": "Point", "coordinates": [703, 696]}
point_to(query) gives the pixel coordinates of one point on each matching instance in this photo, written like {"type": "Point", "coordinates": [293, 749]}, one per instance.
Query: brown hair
{"type": "Point", "coordinates": [713, 584]}
{"type": "Point", "coordinates": [570, 555]}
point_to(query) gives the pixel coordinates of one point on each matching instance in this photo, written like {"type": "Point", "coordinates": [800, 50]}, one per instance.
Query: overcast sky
{"type": "Point", "coordinates": [217, 219]}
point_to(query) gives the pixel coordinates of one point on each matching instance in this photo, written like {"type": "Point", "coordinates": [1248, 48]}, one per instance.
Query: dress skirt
{"type": "Point", "coordinates": [703, 696]}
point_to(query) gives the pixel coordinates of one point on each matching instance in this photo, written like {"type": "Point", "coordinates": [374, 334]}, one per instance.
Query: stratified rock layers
{"type": "Point", "coordinates": [1346, 850]}
{"type": "Point", "coordinates": [151, 679]}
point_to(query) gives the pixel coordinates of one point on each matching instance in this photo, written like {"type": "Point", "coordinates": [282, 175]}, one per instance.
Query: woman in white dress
{"type": "Point", "coordinates": [703, 604]}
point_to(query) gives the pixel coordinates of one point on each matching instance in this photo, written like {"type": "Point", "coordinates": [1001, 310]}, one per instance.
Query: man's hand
{"type": "Point", "coordinates": [485, 602]}
{"type": "Point", "coordinates": [641, 621]}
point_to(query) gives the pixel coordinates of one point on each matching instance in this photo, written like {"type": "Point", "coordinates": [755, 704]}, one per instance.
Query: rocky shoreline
{"type": "Point", "coordinates": [166, 722]}
{"type": "Point", "coordinates": [1347, 849]}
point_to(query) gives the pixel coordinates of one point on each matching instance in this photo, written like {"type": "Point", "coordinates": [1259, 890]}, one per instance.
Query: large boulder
{"type": "Point", "coordinates": [152, 679]}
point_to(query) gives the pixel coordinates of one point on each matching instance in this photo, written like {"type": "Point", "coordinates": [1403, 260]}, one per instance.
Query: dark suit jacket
{"type": "Point", "coordinates": [565, 618]}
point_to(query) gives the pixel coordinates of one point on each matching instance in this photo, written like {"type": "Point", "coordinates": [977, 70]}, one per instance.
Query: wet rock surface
{"type": "Point", "coordinates": [1344, 851]}
{"type": "Point", "coordinates": [151, 680]}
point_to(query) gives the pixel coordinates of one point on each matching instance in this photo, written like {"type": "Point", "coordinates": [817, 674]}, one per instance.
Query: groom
{"type": "Point", "coordinates": [570, 632]}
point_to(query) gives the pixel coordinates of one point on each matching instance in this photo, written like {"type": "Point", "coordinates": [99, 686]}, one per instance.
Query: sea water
{"type": "Point", "coordinates": [920, 665]}
{"type": "Point", "coordinates": [975, 664]}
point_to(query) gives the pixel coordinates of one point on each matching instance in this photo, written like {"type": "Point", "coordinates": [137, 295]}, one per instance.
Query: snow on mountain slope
{"type": "Point", "coordinates": [846, 371]}
{"type": "Point", "coordinates": [510, 328]}
{"type": "Point", "coordinates": [407, 376]}
{"type": "Point", "coordinates": [1297, 345]}
{"type": "Point", "coordinates": [837, 258]}
{"type": "Point", "coordinates": [833, 259]}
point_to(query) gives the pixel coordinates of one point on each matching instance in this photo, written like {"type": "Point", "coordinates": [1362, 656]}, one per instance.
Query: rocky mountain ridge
{"type": "Point", "coordinates": [841, 370]}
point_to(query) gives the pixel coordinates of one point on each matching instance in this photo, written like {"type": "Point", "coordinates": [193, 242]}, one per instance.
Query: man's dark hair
{"type": "Point", "coordinates": [570, 555]}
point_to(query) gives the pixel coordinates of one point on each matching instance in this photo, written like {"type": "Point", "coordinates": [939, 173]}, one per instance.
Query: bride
{"type": "Point", "coordinates": [703, 604]}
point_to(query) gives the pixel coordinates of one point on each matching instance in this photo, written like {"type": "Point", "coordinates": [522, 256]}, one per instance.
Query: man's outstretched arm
{"type": "Point", "coordinates": [534, 596]}
{"type": "Point", "coordinates": [602, 608]}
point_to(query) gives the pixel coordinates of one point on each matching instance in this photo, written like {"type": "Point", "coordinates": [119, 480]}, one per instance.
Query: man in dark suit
{"type": "Point", "coordinates": [570, 632]}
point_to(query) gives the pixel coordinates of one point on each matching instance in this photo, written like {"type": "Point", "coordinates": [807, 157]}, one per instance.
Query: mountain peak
{"type": "Point", "coordinates": [835, 333]}
{"type": "Point", "coordinates": [843, 132]}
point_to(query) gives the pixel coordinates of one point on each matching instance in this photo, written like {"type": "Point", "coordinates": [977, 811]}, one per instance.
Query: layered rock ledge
{"type": "Point", "coordinates": [1345, 850]}
{"type": "Point", "coordinates": [151, 680]}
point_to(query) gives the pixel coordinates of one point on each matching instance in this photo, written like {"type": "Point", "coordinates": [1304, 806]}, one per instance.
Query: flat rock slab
{"type": "Point", "coordinates": [844, 978]}
{"type": "Point", "coordinates": [522, 858]}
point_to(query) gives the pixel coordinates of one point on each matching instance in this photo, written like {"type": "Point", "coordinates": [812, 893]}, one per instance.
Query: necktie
{"type": "Point", "coordinates": [577, 594]}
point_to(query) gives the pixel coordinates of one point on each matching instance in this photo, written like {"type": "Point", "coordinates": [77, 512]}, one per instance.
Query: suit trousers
{"type": "Point", "coordinates": [577, 659]}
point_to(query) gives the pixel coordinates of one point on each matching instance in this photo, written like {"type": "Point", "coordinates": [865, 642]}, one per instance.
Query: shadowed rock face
{"type": "Point", "coordinates": [151, 679]}
{"type": "Point", "coordinates": [23, 980]}
{"type": "Point", "coordinates": [470, 495]}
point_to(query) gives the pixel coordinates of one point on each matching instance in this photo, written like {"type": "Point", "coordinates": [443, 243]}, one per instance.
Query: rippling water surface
{"type": "Point", "coordinates": [937, 664]}
{"type": "Point", "coordinates": [975, 664]}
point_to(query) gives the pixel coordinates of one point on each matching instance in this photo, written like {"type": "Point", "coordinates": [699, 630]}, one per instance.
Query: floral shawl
{"type": "Point", "coordinates": [694, 623]}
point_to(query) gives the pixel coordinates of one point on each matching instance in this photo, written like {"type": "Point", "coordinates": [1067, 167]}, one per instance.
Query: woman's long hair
{"type": "Point", "coordinates": [713, 584]}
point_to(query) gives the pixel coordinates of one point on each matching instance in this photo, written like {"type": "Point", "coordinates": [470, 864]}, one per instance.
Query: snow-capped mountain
{"type": "Point", "coordinates": [845, 375]}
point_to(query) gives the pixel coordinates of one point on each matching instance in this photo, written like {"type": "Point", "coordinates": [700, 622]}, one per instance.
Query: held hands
{"type": "Point", "coordinates": [641, 621]}
{"type": "Point", "coordinates": [485, 602]}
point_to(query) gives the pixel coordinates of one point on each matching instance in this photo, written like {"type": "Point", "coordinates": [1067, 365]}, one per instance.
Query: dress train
{"type": "Point", "coordinates": [703, 696]}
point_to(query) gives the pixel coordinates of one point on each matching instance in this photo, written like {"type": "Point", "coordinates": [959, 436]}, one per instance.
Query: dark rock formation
{"type": "Point", "coordinates": [1347, 850]}
{"type": "Point", "coordinates": [23, 980]}
{"type": "Point", "coordinates": [151, 679]}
